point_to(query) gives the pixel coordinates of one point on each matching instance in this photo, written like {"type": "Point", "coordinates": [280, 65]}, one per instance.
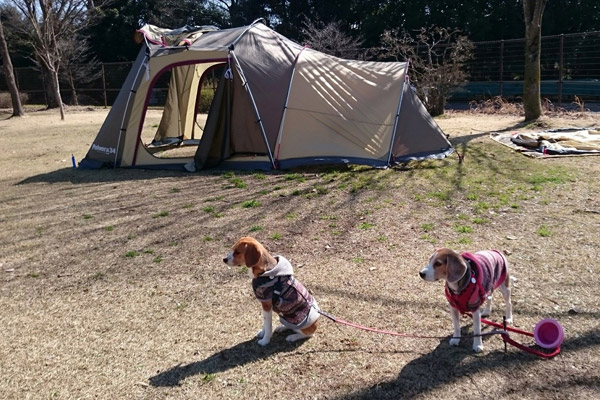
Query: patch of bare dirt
{"type": "Point", "coordinates": [112, 283]}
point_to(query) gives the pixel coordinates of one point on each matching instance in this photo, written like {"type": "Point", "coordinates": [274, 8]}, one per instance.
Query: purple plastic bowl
{"type": "Point", "coordinates": [548, 333]}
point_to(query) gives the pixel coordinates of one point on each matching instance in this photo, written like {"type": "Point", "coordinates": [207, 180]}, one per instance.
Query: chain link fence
{"type": "Point", "coordinates": [570, 70]}
{"type": "Point", "coordinates": [570, 66]}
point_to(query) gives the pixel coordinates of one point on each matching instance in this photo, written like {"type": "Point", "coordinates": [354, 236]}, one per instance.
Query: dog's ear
{"type": "Point", "coordinates": [456, 267]}
{"type": "Point", "coordinates": [252, 255]}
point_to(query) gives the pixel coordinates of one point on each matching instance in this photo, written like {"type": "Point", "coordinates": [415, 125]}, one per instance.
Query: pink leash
{"type": "Point", "coordinates": [503, 333]}
{"type": "Point", "coordinates": [384, 332]}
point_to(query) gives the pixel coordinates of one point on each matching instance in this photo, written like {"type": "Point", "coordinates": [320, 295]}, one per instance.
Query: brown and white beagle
{"type": "Point", "coordinates": [470, 280]}
{"type": "Point", "coordinates": [277, 289]}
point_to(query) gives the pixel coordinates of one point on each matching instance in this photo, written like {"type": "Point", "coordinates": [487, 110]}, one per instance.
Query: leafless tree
{"type": "Point", "coordinates": [533, 11]}
{"type": "Point", "coordinates": [74, 70]}
{"type": "Point", "coordinates": [9, 74]}
{"type": "Point", "coordinates": [438, 58]}
{"type": "Point", "coordinates": [52, 24]}
{"type": "Point", "coordinates": [331, 39]}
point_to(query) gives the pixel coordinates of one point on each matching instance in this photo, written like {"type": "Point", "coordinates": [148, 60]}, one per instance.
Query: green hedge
{"type": "Point", "coordinates": [206, 97]}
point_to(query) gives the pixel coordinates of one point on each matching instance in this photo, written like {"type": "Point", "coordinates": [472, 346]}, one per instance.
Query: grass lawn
{"type": "Point", "coordinates": [112, 283]}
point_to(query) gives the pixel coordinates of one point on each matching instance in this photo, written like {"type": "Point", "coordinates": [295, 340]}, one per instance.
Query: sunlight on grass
{"type": "Point", "coordinates": [427, 227]}
{"type": "Point", "coordinates": [250, 204]}
{"type": "Point", "coordinates": [295, 177]}
{"type": "Point", "coordinates": [463, 229]}
{"type": "Point", "coordinates": [544, 231]}
{"type": "Point", "coordinates": [464, 240]}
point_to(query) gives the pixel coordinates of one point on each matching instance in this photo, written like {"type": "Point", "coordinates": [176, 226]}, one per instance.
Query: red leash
{"type": "Point", "coordinates": [507, 339]}
{"type": "Point", "coordinates": [503, 332]}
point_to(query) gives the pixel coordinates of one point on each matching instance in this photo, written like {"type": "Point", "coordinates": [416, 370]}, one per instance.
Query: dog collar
{"type": "Point", "coordinates": [464, 280]}
{"type": "Point", "coordinates": [461, 300]}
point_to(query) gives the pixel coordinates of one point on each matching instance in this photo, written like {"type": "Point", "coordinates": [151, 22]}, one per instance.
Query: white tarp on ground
{"type": "Point", "coordinates": [556, 142]}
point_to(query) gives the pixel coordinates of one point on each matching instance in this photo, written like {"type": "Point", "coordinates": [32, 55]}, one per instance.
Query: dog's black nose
{"type": "Point", "coordinates": [225, 260]}
{"type": "Point", "coordinates": [422, 274]}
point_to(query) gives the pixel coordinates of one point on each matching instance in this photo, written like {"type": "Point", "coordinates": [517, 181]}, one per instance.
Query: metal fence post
{"type": "Point", "coordinates": [560, 68]}
{"type": "Point", "coordinates": [501, 66]}
{"type": "Point", "coordinates": [104, 87]}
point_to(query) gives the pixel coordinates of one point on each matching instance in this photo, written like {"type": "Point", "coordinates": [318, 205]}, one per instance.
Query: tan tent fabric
{"type": "Point", "coordinates": [417, 132]}
{"type": "Point", "coordinates": [134, 152]}
{"type": "Point", "coordinates": [284, 105]}
{"type": "Point", "coordinates": [178, 118]}
{"type": "Point", "coordinates": [349, 107]}
{"type": "Point", "coordinates": [107, 148]}
{"type": "Point", "coordinates": [267, 60]}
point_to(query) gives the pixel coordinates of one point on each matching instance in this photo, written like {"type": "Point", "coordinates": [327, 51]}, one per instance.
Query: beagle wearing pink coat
{"type": "Point", "coordinates": [277, 290]}
{"type": "Point", "coordinates": [470, 280]}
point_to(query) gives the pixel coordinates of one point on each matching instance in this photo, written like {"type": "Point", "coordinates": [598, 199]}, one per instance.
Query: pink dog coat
{"type": "Point", "coordinates": [488, 271]}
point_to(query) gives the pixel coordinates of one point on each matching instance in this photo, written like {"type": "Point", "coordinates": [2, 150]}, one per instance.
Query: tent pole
{"type": "Point", "coordinates": [131, 91]}
{"type": "Point", "coordinates": [256, 112]}
{"type": "Point", "coordinates": [285, 106]}
{"type": "Point", "coordinates": [228, 95]}
{"type": "Point", "coordinates": [398, 113]}
{"type": "Point", "coordinates": [237, 39]}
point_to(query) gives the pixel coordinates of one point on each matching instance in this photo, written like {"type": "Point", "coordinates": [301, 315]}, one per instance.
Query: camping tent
{"type": "Point", "coordinates": [277, 105]}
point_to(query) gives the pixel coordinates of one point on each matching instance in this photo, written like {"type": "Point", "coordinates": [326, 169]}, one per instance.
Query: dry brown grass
{"type": "Point", "coordinates": [500, 106]}
{"type": "Point", "coordinates": [112, 284]}
{"type": "Point", "coordinates": [496, 105]}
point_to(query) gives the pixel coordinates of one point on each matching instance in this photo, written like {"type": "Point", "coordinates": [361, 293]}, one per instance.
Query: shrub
{"type": "Point", "coordinates": [206, 97]}
{"type": "Point", "coordinates": [6, 101]}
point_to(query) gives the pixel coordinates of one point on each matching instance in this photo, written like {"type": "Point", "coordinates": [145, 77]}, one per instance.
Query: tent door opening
{"type": "Point", "coordinates": [178, 109]}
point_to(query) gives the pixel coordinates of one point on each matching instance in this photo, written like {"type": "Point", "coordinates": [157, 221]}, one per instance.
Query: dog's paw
{"type": "Point", "coordinates": [260, 334]}
{"type": "Point", "coordinates": [477, 345]}
{"type": "Point", "coordinates": [509, 320]}
{"type": "Point", "coordinates": [281, 328]}
{"type": "Point", "coordinates": [477, 348]}
{"type": "Point", "coordinates": [296, 336]}
{"type": "Point", "coordinates": [264, 341]}
{"type": "Point", "coordinates": [454, 341]}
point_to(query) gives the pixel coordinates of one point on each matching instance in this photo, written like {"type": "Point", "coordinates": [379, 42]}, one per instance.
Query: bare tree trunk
{"type": "Point", "coordinates": [533, 11]}
{"type": "Point", "coordinates": [10, 76]}
{"type": "Point", "coordinates": [57, 96]}
{"type": "Point", "coordinates": [74, 98]}
{"type": "Point", "coordinates": [53, 84]}
{"type": "Point", "coordinates": [48, 87]}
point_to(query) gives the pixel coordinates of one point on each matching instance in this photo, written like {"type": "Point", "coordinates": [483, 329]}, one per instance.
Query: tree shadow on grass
{"type": "Point", "coordinates": [238, 355]}
{"type": "Point", "coordinates": [446, 364]}
{"type": "Point", "coordinates": [106, 175]}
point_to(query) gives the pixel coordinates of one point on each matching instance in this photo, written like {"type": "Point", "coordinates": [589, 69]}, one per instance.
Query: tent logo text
{"type": "Point", "coordinates": [105, 150]}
